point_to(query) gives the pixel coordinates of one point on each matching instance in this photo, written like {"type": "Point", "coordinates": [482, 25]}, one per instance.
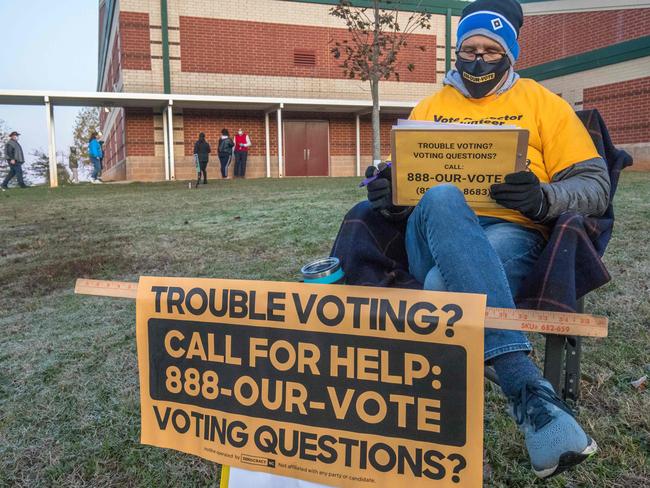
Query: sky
{"type": "Point", "coordinates": [46, 45]}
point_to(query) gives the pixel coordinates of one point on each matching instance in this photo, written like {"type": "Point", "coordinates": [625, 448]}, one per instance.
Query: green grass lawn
{"type": "Point", "coordinates": [69, 400]}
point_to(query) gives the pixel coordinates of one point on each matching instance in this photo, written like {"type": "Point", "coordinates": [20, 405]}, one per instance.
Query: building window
{"type": "Point", "coordinates": [304, 57]}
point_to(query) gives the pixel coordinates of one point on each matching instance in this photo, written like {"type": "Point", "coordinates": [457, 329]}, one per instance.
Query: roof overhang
{"type": "Point", "coordinates": [213, 102]}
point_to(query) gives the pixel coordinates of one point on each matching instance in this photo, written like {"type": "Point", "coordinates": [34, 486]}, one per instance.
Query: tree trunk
{"type": "Point", "coordinates": [374, 89]}
{"type": "Point", "coordinates": [376, 134]}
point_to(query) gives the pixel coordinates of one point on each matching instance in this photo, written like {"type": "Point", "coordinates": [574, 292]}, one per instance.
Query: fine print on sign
{"type": "Point", "coordinates": [341, 385]}
{"type": "Point", "coordinates": [470, 158]}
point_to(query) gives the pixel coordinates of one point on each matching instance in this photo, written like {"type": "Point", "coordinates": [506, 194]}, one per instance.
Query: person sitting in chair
{"type": "Point", "coordinates": [451, 247]}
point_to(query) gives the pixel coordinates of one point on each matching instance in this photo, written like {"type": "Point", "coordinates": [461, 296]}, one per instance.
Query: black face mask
{"type": "Point", "coordinates": [480, 77]}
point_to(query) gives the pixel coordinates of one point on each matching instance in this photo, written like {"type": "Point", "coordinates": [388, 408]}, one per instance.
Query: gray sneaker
{"type": "Point", "coordinates": [554, 439]}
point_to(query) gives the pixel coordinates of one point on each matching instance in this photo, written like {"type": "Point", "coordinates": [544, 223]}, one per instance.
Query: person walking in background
{"type": "Point", "coordinates": [73, 163]}
{"type": "Point", "coordinates": [225, 152]}
{"type": "Point", "coordinates": [15, 157]}
{"type": "Point", "coordinates": [202, 154]}
{"type": "Point", "coordinates": [242, 143]}
{"type": "Point", "coordinates": [95, 153]}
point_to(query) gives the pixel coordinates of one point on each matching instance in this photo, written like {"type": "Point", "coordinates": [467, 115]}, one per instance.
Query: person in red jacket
{"type": "Point", "coordinates": [242, 143]}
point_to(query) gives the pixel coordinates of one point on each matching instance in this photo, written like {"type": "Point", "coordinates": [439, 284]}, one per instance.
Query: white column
{"type": "Point", "coordinates": [170, 128]}
{"type": "Point", "coordinates": [51, 143]}
{"type": "Point", "coordinates": [280, 150]}
{"type": "Point", "coordinates": [358, 120]}
{"type": "Point", "coordinates": [166, 144]}
{"type": "Point", "coordinates": [268, 144]}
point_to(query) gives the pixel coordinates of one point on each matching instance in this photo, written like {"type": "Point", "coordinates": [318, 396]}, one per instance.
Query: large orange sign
{"type": "Point", "coordinates": [342, 385]}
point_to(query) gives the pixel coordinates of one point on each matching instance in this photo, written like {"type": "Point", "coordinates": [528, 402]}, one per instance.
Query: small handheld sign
{"type": "Point", "coordinates": [472, 158]}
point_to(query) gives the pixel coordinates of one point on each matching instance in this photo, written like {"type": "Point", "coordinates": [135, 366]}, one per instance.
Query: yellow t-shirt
{"type": "Point", "coordinates": [557, 139]}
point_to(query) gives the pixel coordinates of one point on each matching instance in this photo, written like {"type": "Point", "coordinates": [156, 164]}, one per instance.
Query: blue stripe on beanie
{"type": "Point", "coordinates": [492, 25]}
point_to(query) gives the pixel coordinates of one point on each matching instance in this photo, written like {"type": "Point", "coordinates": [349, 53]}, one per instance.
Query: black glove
{"type": "Point", "coordinates": [523, 192]}
{"type": "Point", "coordinates": [380, 193]}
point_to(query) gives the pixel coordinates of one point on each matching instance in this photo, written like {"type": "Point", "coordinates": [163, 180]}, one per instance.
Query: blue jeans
{"type": "Point", "coordinates": [16, 170]}
{"type": "Point", "coordinates": [97, 168]}
{"type": "Point", "coordinates": [451, 249]}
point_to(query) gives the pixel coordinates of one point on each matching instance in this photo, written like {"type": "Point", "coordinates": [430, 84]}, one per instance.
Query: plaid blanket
{"type": "Point", "coordinates": [372, 251]}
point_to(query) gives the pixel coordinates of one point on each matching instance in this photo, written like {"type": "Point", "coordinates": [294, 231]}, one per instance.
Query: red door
{"type": "Point", "coordinates": [295, 152]}
{"type": "Point", "coordinates": [306, 148]}
{"type": "Point", "coordinates": [317, 148]}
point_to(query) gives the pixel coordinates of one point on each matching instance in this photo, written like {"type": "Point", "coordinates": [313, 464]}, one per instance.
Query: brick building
{"type": "Point", "coordinates": [595, 54]}
{"type": "Point", "coordinates": [244, 60]}
{"type": "Point", "coordinates": [265, 65]}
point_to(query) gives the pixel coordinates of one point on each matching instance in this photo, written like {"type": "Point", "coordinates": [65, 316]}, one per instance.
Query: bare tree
{"type": "Point", "coordinates": [62, 169]}
{"type": "Point", "coordinates": [4, 137]}
{"type": "Point", "coordinates": [38, 169]}
{"type": "Point", "coordinates": [376, 37]}
{"type": "Point", "coordinates": [85, 124]}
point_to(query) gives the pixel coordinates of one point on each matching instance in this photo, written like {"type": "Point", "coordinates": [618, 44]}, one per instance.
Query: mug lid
{"type": "Point", "coordinates": [320, 267]}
